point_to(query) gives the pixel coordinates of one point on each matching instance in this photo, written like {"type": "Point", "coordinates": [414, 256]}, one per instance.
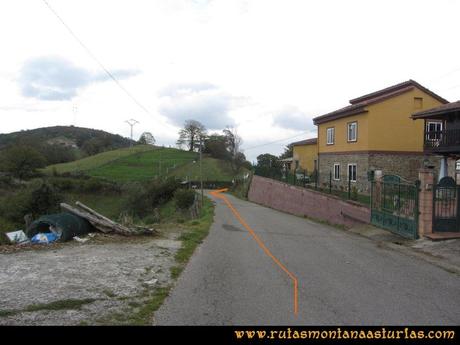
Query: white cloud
{"type": "Point", "coordinates": [202, 102]}
{"type": "Point", "coordinates": [53, 78]}
{"type": "Point", "coordinates": [291, 117]}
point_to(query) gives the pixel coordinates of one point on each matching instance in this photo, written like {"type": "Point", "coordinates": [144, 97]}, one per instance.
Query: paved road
{"type": "Point", "coordinates": [343, 278]}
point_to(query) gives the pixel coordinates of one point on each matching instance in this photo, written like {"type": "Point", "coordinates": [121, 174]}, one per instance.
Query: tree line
{"type": "Point", "coordinates": [225, 146]}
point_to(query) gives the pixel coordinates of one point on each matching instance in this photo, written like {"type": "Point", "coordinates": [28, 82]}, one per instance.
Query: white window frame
{"type": "Point", "coordinates": [332, 136]}
{"type": "Point", "coordinates": [336, 176]}
{"type": "Point", "coordinates": [428, 123]}
{"type": "Point", "coordinates": [349, 126]}
{"type": "Point", "coordinates": [348, 172]}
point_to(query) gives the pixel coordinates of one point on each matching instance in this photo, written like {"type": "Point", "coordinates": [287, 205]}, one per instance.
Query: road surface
{"type": "Point", "coordinates": [342, 278]}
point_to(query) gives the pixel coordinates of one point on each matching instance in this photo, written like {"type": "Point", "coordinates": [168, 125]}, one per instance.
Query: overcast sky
{"type": "Point", "coordinates": [266, 67]}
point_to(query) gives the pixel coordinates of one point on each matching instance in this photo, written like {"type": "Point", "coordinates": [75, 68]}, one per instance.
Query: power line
{"type": "Point", "coordinates": [111, 76]}
{"type": "Point", "coordinates": [276, 141]}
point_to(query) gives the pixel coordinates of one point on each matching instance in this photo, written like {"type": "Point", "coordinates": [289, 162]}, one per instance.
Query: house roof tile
{"type": "Point", "coordinates": [358, 105]}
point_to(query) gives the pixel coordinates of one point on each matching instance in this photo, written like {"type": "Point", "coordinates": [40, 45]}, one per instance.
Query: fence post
{"type": "Point", "coordinates": [349, 185]}
{"type": "Point", "coordinates": [330, 182]}
{"type": "Point", "coordinates": [316, 178]}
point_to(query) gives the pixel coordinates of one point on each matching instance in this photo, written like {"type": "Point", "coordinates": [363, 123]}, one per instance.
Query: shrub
{"type": "Point", "coordinates": [354, 193]}
{"type": "Point", "coordinates": [143, 198]}
{"type": "Point", "coordinates": [38, 199]}
{"type": "Point", "coordinates": [22, 161]}
{"type": "Point", "coordinates": [184, 198]}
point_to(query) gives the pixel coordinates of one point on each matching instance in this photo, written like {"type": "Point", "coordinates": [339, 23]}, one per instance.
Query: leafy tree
{"type": "Point", "coordinates": [216, 146]}
{"type": "Point", "coordinates": [56, 153]}
{"type": "Point", "coordinates": [191, 134]}
{"type": "Point", "coordinates": [22, 161]}
{"type": "Point", "coordinates": [288, 152]}
{"type": "Point", "coordinates": [147, 138]}
{"type": "Point", "coordinates": [268, 165]}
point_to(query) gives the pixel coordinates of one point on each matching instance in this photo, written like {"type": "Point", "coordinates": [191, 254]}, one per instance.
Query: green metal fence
{"type": "Point", "coordinates": [311, 180]}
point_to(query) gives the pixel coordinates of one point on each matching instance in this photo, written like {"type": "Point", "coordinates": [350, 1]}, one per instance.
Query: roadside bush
{"type": "Point", "coordinates": [184, 198]}
{"type": "Point", "coordinates": [137, 201]}
{"type": "Point", "coordinates": [162, 191]}
{"type": "Point", "coordinates": [87, 185]}
{"type": "Point", "coordinates": [143, 198]}
{"type": "Point", "coordinates": [38, 199]}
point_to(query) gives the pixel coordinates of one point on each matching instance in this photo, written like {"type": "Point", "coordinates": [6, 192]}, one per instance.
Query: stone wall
{"type": "Point", "coordinates": [304, 202]}
{"type": "Point", "coordinates": [326, 165]}
{"type": "Point", "coordinates": [404, 165]}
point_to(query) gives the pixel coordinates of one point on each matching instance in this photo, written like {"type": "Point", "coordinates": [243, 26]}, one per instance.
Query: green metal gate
{"type": "Point", "coordinates": [394, 205]}
{"type": "Point", "coordinates": [446, 206]}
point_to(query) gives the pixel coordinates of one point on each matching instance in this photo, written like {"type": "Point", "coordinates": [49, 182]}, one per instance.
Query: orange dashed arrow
{"type": "Point", "coordinates": [217, 194]}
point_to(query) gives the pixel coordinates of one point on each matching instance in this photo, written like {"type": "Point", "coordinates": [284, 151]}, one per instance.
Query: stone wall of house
{"type": "Point", "coordinates": [405, 165]}
{"type": "Point", "coordinates": [304, 202]}
{"type": "Point", "coordinates": [326, 165]}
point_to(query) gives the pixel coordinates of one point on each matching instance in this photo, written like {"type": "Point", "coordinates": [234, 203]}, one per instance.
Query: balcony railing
{"type": "Point", "coordinates": [446, 140]}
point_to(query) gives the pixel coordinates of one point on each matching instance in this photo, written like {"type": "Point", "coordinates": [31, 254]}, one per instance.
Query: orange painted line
{"type": "Point", "coordinates": [217, 194]}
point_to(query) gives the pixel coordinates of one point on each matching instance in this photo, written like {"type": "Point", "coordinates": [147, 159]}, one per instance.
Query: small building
{"type": "Point", "coordinates": [305, 155]}
{"type": "Point", "coordinates": [375, 132]}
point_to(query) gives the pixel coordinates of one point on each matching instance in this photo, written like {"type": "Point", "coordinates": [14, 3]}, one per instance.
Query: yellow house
{"type": "Point", "coordinates": [375, 132]}
{"type": "Point", "coordinates": [305, 155]}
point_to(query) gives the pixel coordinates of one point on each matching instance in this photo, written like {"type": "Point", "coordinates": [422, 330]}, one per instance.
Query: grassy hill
{"type": "Point", "coordinates": [213, 170]}
{"type": "Point", "coordinates": [144, 162]}
{"type": "Point", "coordinates": [93, 162]}
{"type": "Point", "coordinates": [60, 144]}
{"type": "Point", "coordinates": [144, 165]}
{"type": "Point", "coordinates": [64, 135]}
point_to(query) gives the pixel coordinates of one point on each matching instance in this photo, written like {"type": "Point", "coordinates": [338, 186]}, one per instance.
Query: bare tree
{"type": "Point", "coordinates": [191, 134]}
{"type": "Point", "coordinates": [234, 141]}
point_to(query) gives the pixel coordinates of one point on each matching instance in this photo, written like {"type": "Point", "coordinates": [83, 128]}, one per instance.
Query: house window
{"type": "Point", "coordinates": [352, 131]}
{"type": "Point", "coordinates": [336, 171]}
{"type": "Point", "coordinates": [352, 172]}
{"type": "Point", "coordinates": [330, 136]}
{"type": "Point", "coordinates": [457, 165]}
{"type": "Point", "coordinates": [433, 130]}
{"type": "Point", "coordinates": [418, 102]}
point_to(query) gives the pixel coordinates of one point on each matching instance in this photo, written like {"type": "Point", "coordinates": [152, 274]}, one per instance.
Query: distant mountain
{"type": "Point", "coordinates": [60, 144]}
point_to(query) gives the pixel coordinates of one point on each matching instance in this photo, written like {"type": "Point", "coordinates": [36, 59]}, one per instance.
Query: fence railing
{"type": "Point", "coordinates": [442, 139]}
{"type": "Point", "coordinates": [312, 180]}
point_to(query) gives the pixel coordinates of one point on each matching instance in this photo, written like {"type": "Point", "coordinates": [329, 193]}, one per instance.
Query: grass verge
{"type": "Point", "coordinates": [66, 304]}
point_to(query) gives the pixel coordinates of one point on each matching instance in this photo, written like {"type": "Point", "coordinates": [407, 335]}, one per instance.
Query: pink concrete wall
{"type": "Point", "coordinates": [305, 202]}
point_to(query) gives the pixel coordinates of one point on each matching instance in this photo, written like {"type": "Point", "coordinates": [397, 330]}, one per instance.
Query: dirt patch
{"type": "Point", "coordinates": [73, 283]}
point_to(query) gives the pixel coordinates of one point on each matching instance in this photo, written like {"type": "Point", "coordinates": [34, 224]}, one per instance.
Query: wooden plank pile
{"type": "Point", "coordinates": [103, 223]}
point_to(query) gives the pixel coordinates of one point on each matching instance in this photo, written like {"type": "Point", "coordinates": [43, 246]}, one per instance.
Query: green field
{"type": "Point", "coordinates": [143, 162]}
{"type": "Point", "coordinates": [213, 170]}
{"type": "Point", "coordinates": [145, 165]}
{"type": "Point", "coordinates": [95, 161]}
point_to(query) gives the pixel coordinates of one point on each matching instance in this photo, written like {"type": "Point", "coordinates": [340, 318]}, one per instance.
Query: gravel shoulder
{"type": "Point", "coordinates": [102, 281]}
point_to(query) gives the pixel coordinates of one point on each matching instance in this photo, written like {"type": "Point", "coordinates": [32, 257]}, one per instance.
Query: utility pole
{"type": "Point", "coordinates": [74, 110]}
{"type": "Point", "coordinates": [131, 123]}
{"type": "Point", "coordinates": [201, 175]}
